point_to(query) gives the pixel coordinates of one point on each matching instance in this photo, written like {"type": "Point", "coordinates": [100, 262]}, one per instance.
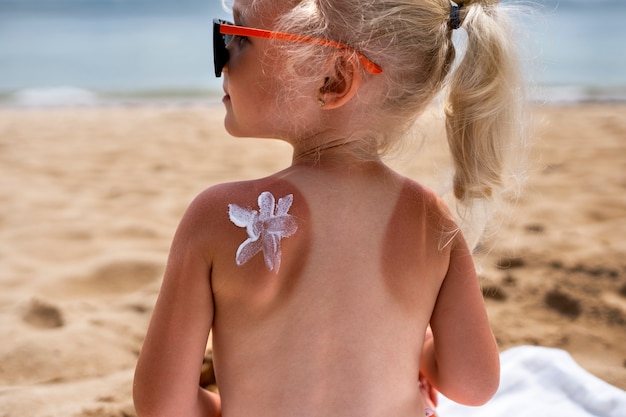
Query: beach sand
{"type": "Point", "coordinates": [90, 199]}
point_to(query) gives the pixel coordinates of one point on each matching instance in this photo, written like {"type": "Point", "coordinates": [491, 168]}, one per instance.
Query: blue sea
{"type": "Point", "coordinates": [84, 52]}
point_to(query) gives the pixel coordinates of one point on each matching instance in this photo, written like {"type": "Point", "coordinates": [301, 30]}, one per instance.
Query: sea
{"type": "Point", "coordinates": [95, 52]}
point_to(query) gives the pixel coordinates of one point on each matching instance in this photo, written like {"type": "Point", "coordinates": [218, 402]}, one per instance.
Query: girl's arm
{"type": "Point", "coordinates": [461, 359]}
{"type": "Point", "coordinates": [168, 370]}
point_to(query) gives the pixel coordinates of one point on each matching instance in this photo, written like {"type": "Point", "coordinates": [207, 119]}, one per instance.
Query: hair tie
{"type": "Point", "coordinates": [455, 15]}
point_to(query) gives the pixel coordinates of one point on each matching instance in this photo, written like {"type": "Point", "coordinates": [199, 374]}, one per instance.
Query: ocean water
{"type": "Point", "coordinates": [579, 49]}
{"type": "Point", "coordinates": [88, 51]}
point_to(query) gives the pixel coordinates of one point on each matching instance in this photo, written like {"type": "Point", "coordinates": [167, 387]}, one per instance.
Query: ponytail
{"type": "Point", "coordinates": [484, 110]}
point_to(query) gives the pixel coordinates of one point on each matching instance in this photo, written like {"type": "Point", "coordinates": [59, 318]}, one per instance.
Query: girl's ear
{"type": "Point", "coordinates": [341, 84]}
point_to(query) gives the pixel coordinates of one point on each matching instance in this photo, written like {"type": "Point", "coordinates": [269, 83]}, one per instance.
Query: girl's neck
{"type": "Point", "coordinates": [338, 151]}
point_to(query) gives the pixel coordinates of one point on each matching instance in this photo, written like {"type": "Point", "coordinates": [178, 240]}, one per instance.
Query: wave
{"type": "Point", "coordinates": [53, 96]}
{"type": "Point", "coordinates": [70, 96]}
{"type": "Point", "coordinates": [555, 94]}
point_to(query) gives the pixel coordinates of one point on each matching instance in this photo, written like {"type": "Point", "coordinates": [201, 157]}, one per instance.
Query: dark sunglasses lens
{"type": "Point", "coordinates": [220, 53]}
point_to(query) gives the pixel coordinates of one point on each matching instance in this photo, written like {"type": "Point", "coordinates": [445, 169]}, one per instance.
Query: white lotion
{"type": "Point", "coordinates": [266, 227]}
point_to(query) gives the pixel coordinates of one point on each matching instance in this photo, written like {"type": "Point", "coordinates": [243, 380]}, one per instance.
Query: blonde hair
{"type": "Point", "coordinates": [412, 41]}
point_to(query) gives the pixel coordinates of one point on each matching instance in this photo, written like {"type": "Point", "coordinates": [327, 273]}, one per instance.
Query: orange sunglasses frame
{"type": "Point", "coordinates": [230, 29]}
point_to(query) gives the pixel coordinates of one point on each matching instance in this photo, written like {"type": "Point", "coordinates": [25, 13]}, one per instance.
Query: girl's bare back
{"type": "Point", "coordinates": [338, 328]}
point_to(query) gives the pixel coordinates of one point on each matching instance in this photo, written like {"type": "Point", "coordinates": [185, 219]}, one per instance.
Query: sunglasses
{"type": "Point", "coordinates": [224, 31]}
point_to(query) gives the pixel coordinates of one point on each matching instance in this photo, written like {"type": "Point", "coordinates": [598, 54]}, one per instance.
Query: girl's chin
{"type": "Point", "coordinates": [232, 128]}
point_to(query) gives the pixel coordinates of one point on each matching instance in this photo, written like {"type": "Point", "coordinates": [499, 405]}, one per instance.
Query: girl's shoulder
{"type": "Point", "coordinates": [230, 220]}
{"type": "Point", "coordinates": [416, 193]}
{"type": "Point", "coordinates": [425, 209]}
{"type": "Point", "coordinates": [241, 192]}
{"type": "Point", "coordinates": [211, 207]}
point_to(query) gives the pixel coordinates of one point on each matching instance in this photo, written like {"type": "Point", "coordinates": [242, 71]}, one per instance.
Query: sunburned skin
{"type": "Point", "coordinates": [386, 272]}
{"type": "Point", "coordinates": [266, 227]}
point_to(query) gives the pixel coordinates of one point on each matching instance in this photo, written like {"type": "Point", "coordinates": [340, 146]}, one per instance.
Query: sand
{"type": "Point", "coordinates": [90, 199]}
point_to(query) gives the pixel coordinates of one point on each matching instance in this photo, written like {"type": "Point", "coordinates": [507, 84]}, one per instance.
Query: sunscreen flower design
{"type": "Point", "coordinates": [265, 228]}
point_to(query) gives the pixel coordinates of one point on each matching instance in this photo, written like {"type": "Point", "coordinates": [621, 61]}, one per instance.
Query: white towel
{"type": "Point", "coordinates": [544, 382]}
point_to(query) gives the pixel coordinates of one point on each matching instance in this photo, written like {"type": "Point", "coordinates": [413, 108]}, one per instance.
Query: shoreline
{"type": "Point", "coordinates": [75, 97]}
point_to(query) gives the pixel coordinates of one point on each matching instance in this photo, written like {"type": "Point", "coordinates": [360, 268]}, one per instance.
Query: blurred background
{"type": "Point", "coordinates": [83, 52]}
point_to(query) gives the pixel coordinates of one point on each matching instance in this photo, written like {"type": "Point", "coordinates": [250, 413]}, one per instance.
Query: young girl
{"type": "Point", "coordinates": [320, 283]}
